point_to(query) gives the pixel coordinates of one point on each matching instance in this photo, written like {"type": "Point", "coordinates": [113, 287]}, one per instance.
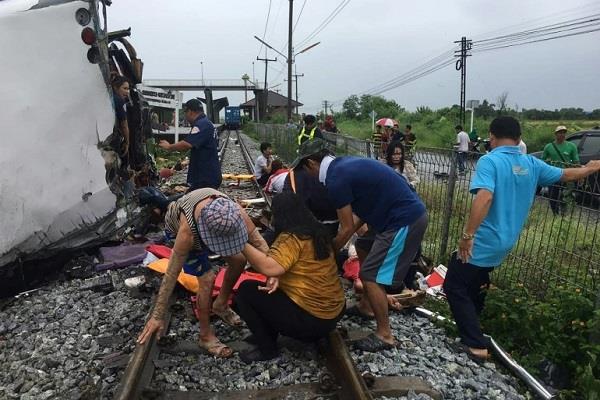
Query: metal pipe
{"type": "Point", "coordinates": [506, 359]}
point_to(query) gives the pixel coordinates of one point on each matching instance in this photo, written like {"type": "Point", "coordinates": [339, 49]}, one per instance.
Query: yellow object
{"type": "Point", "coordinates": [312, 284]}
{"type": "Point", "coordinates": [189, 282]}
{"type": "Point", "coordinates": [238, 177]}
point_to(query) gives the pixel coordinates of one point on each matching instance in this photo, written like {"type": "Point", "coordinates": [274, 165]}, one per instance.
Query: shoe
{"type": "Point", "coordinates": [251, 339]}
{"type": "Point", "coordinates": [253, 355]}
{"type": "Point", "coordinates": [460, 347]}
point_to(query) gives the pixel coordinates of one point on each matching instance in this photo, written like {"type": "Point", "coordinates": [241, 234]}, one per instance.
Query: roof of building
{"type": "Point", "coordinates": [273, 100]}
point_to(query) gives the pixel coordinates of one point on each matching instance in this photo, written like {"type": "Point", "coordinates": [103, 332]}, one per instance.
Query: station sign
{"type": "Point", "coordinates": [158, 97]}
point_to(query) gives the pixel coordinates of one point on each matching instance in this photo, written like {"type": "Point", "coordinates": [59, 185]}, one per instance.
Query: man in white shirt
{"type": "Point", "coordinates": [262, 165]}
{"type": "Point", "coordinates": [462, 143]}
{"type": "Point", "coordinates": [522, 147]}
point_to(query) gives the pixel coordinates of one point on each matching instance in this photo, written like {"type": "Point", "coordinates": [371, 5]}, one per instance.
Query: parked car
{"type": "Point", "coordinates": [588, 145]}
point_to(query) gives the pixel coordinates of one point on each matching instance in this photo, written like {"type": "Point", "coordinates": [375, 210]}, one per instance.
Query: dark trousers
{"type": "Point", "coordinates": [465, 287]}
{"type": "Point", "coordinates": [262, 181]}
{"type": "Point", "coordinates": [461, 157]}
{"type": "Point", "coordinates": [269, 315]}
{"type": "Point", "coordinates": [556, 202]}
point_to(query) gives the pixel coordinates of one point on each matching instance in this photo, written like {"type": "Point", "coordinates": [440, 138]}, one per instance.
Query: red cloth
{"type": "Point", "coordinates": [351, 268]}
{"type": "Point", "coordinates": [159, 251]}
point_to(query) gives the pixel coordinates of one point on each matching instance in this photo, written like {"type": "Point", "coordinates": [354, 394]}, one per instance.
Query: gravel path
{"type": "Point", "coordinates": [68, 342]}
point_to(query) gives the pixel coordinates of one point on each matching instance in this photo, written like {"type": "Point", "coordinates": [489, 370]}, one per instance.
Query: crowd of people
{"type": "Point", "coordinates": [320, 203]}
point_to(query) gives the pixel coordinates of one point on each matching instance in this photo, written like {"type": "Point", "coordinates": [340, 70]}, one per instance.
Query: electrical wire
{"type": "Point", "coordinates": [265, 30]}
{"type": "Point", "coordinates": [324, 24]}
{"type": "Point", "coordinates": [298, 19]}
{"type": "Point", "coordinates": [538, 40]}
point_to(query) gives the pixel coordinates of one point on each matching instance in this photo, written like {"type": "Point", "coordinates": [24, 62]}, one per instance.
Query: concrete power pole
{"type": "Point", "coordinates": [461, 65]}
{"type": "Point", "coordinates": [296, 75]}
{"type": "Point", "coordinates": [265, 91]}
{"type": "Point", "coordinates": [290, 61]}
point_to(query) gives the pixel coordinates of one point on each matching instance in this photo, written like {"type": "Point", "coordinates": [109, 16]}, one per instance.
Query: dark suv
{"type": "Point", "coordinates": [588, 145]}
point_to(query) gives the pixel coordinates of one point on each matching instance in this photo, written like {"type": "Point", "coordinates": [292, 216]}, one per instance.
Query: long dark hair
{"type": "Point", "coordinates": [290, 215]}
{"type": "Point", "coordinates": [118, 81]}
{"type": "Point", "coordinates": [390, 151]}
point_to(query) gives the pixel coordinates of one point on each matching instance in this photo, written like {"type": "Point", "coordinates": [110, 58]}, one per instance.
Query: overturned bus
{"type": "Point", "coordinates": [66, 180]}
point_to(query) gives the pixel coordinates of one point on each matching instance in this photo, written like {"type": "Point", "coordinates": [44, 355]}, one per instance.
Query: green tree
{"type": "Point", "coordinates": [351, 106]}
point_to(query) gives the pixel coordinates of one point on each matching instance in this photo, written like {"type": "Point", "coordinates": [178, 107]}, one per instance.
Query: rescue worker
{"type": "Point", "coordinates": [205, 168]}
{"type": "Point", "coordinates": [309, 131]}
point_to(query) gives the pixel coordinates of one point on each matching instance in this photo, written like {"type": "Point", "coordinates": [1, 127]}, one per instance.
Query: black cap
{"type": "Point", "coordinates": [193, 105]}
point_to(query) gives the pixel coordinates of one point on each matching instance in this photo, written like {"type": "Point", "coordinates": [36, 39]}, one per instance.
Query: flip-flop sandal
{"type": "Point", "coordinates": [373, 344]}
{"type": "Point", "coordinates": [412, 298]}
{"type": "Point", "coordinates": [464, 349]}
{"type": "Point", "coordinates": [355, 312]}
{"type": "Point", "coordinates": [216, 348]}
{"type": "Point", "coordinates": [229, 317]}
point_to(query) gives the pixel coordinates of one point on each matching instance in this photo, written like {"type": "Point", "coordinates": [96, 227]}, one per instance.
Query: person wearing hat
{"type": "Point", "coordinates": [560, 153]}
{"type": "Point", "coordinates": [309, 131]}
{"type": "Point", "coordinates": [204, 169]}
{"type": "Point", "coordinates": [383, 199]}
{"type": "Point", "coordinates": [205, 221]}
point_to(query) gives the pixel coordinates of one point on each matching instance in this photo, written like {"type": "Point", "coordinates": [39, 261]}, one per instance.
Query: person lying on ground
{"type": "Point", "coordinates": [303, 298]}
{"type": "Point", "coordinates": [205, 221]}
{"type": "Point", "coordinates": [277, 179]}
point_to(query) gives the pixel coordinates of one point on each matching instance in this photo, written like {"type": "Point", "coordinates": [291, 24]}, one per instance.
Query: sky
{"type": "Point", "coordinates": [368, 43]}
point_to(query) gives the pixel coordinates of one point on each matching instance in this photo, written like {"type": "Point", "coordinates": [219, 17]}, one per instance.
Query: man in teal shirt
{"type": "Point", "coordinates": [562, 154]}
{"type": "Point", "coordinates": [504, 185]}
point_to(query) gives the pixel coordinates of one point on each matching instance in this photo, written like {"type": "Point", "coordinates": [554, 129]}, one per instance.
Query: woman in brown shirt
{"type": "Point", "coordinates": [307, 299]}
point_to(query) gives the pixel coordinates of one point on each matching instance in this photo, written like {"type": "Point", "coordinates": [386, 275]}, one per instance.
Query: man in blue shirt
{"type": "Point", "coordinates": [204, 169]}
{"type": "Point", "coordinates": [504, 186]}
{"type": "Point", "coordinates": [381, 198]}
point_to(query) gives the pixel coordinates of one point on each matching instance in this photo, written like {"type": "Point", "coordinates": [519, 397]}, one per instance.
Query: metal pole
{"type": "Point", "coordinates": [290, 60]}
{"type": "Point", "coordinates": [448, 207]}
{"type": "Point", "coordinates": [177, 105]}
{"type": "Point", "coordinates": [202, 69]}
{"type": "Point", "coordinates": [472, 112]}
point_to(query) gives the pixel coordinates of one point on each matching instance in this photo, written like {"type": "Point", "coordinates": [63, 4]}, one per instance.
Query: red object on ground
{"type": "Point", "coordinates": [245, 276]}
{"type": "Point", "coordinates": [159, 250]}
{"type": "Point", "coordinates": [351, 268]}
{"type": "Point", "coordinates": [165, 173]}
{"type": "Point", "coordinates": [435, 279]}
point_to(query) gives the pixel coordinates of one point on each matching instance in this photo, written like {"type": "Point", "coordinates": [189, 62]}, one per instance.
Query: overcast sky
{"type": "Point", "coordinates": [370, 42]}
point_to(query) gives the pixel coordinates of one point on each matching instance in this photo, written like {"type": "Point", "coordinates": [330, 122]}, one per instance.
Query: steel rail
{"type": "Point", "coordinates": [504, 357]}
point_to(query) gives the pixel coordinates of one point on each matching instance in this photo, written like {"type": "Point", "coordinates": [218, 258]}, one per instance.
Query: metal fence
{"type": "Point", "coordinates": [553, 250]}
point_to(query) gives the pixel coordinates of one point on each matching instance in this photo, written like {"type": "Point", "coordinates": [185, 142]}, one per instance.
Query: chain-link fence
{"type": "Point", "coordinates": [559, 243]}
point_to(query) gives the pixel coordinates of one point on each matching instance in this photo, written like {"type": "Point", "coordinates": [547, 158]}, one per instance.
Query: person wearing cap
{"type": "Point", "coordinates": [504, 185]}
{"type": "Point", "coordinates": [383, 199]}
{"type": "Point", "coordinates": [204, 169]}
{"type": "Point", "coordinates": [560, 153]}
{"type": "Point", "coordinates": [309, 131]}
{"type": "Point", "coordinates": [205, 221]}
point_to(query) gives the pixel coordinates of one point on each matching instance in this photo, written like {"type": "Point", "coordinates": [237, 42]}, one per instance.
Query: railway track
{"type": "Point", "coordinates": [338, 378]}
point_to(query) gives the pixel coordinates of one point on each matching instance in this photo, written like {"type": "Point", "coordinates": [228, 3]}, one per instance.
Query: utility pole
{"type": "Point", "coordinates": [296, 75]}
{"type": "Point", "coordinates": [461, 65]}
{"type": "Point", "coordinates": [290, 60]}
{"type": "Point", "coordinates": [265, 91]}
{"type": "Point", "coordinates": [325, 105]}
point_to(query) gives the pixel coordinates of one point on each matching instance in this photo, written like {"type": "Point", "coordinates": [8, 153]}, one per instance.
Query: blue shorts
{"type": "Point", "coordinates": [197, 263]}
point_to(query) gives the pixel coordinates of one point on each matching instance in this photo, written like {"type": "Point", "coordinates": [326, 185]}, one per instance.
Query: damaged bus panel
{"type": "Point", "coordinates": [70, 167]}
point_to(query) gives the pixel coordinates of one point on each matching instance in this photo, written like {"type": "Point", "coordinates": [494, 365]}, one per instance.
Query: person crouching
{"type": "Point", "coordinates": [303, 297]}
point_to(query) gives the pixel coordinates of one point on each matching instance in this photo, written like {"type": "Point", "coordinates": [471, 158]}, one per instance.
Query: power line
{"type": "Point", "coordinates": [536, 41]}
{"type": "Point", "coordinates": [265, 30]}
{"type": "Point", "coordinates": [544, 30]}
{"type": "Point", "coordinates": [299, 15]}
{"type": "Point", "coordinates": [325, 22]}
